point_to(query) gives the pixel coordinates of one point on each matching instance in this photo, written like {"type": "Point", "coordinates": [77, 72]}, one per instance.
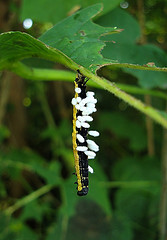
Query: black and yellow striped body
{"type": "Point", "coordinates": [81, 159]}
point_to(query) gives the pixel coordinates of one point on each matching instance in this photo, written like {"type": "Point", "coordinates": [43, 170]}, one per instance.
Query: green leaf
{"type": "Point", "coordinates": [89, 218]}
{"type": "Point", "coordinates": [133, 168]}
{"type": "Point", "coordinates": [15, 46]}
{"type": "Point", "coordinates": [78, 37]}
{"type": "Point", "coordinates": [22, 232]}
{"type": "Point", "coordinates": [34, 210]}
{"type": "Point", "coordinates": [95, 187]}
{"type": "Point", "coordinates": [50, 173]}
{"type": "Point", "coordinates": [140, 55]}
{"type": "Point", "coordinates": [119, 124]}
{"type": "Point", "coordinates": [70, 197]}
{"type": "Point", "coordinates": [131, 203]}
{"type": "Point", "coordinates": [5, 230]}
{"type": "Point", "coordinates": [137, 203]}
{"type": "Point", "coordinates": [121, 227]}
{"type": "Point", "coordinates": [59, 9]}
{"type": "Point", "coordinates": [12, 228]}
{"type": "Point", "coordinates": [136, 206]}
{"type": "Point", "coordinates": [125, 21]}
{"type": "Point", "coordinates": [163, 113]}
{"type": "Point", "coordinates": [56, 229]}
{"type": "Point", "coordinates": [124, 49]}
{"type": "Point", "coordinates": [63, 131]}
{"type": "Point", "coordinates": [97, 192]}
{"type": "Point", "coordinates": [17, 160]}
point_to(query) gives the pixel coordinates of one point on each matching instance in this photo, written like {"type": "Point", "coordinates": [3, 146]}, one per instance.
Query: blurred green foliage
{"type": "Point", "coordinates": [38, 195]}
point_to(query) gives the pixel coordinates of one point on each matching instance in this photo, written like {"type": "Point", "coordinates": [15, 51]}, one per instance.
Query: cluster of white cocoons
{"type": "Point", "coordinates": [86, 106]}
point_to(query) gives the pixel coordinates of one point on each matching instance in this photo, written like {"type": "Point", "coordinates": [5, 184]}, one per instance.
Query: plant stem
{"type": "Point", "coordinates": [45, 106]}
{"type": "Point", "coordinates": [143, 40]}
{"type": "Point", "coordinates": [163, 199]}
{"type": "Point", "coordinates": [135, 66]}
{"type": "Point", "coordinates": [25, 200]}
{"type": "Point", "coordinates": [150, 130]}
{"type": "Point", "coordinates": [41, 74]}
{"type": "Point", "coordinates": [111, 87]}
{"type": "Point", "coordinates": [64, 75]}
{"type": "Point", "coordinates": [141, 91]}
{"type": "Point", "coordinates": [24, 71]}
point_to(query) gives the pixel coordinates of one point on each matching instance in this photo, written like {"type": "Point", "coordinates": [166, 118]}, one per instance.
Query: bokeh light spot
{"type": "Point", "coordinates": [27, 23]}
{"type": "Point", "coordinates": [124, 5]}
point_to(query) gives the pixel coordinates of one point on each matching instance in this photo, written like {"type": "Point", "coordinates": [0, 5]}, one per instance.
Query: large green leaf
{"type": "Point", "coordinates": [59, 9]}
{"type": "Point", "coordinates": [78, 37]}
{"type": "Point", "coordinates": [15, 46]}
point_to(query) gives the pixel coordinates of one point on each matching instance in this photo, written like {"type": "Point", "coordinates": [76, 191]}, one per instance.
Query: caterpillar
{"type": "Point", "coordinates": [83, 148]}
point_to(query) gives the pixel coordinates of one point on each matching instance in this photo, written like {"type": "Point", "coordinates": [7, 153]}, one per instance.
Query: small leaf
{"type": "Point", "coordinates": [50, 173]}
{"type": "Point", "coordinates": [34, 210]}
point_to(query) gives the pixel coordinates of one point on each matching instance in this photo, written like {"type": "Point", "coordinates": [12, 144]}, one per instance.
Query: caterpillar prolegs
{"type": "Point", "coordinates": [83, 148]}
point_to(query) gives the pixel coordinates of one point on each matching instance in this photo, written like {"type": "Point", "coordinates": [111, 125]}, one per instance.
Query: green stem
{"type": "Point", "coordinates": [37, 74]}
{"type": "Point", "coordinates": [163, 198]}
{"type": "Point", "coordinates": [45, 106]}
{"type": "Point", "coordinates": [57, 141]}
{"type": "Point", "coordinates": [111, 87]}
{"type": "Point", "coordinates": [141, 91]}
{"type": "Point", "coordinates": [16, 164]}
{"type": "Point", "coordinates": [135, 66]}
{"type": "Point", "coordinates": [41, 74]}
{"type": "Point", "coordinates": [62, 75]}
{"type": "Point", "coordinates": [32, 196]}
